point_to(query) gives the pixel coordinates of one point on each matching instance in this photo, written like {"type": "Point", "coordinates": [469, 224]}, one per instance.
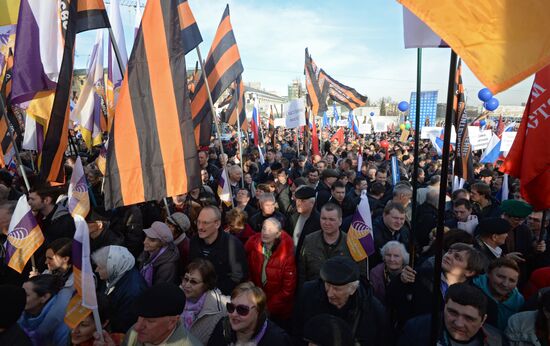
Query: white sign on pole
{"type": "Point", "coordinates": [428, 132]}
{"type": "Point", "coordinates": [279, 122]}
{"type": "Point", "coordinates": [343, 123]}
{"type": "Point", "coordinates": [507, 141]}
{"type": "Point", "coordinates": [380, 126]}
{"type": "Point", "coordinates": [481, 139]}
{"type": "Point", "coordinates": [365, 129]}
{"type": "Point", "coordinates": [295, 114]}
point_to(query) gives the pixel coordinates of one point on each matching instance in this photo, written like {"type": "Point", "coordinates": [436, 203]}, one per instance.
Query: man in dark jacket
{"type": "Point", "coordinates": [267, 209]}
{"type": "Point", "coordinates": [57, 222]}
{"type": "Point", "coordinates": [338, 196]}
{"type": "Point", "coordinates": [306, 219]}
{"type": "Point", "coordinates": [339, 293]}
{"type": "Point", "coordinates": [222, 249]}
{"type": "Point", "coordinates": [464, 319]}
{"type": "Point", "coordinates": [391, 225]}
{"type": "Point", "coordinates": [427, 218]}
{"type": "Point", "coordinates": [484, 203]}
{"type": "Point", "coordinates": [328, 177]}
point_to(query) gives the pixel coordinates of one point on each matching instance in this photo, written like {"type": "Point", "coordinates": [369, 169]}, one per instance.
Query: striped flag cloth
{"type": "Point", "coordinates": [501, 41]}
{"type": "Point", "coordinates": [360, 238]}
{"type": "Point", "coordinates": [7, 42]}
{"type": "Point", "coordinates": [237, 105]}
{"type": "Point", "coordinates": [224, 190]}
{"type": "Point", "coordinates": [151, 151]}
{"type": "Point", "coordinates": [341, 93]}
{"type": "Point", "coordinates": [43, 68]}
{"type": "Point", "coordinates": [24, 236]}
{"type": "Point", "coordinates": [222, 67]}
{"type": "Point", "coordinates": [463, 167]}
{"type": "Point", "coordinates": [316, 92]}
{"type": "Point", "coordinates": [89, 110]}
{"type": "Point", "coordinates": [79, 200]}
{"type": "Point", "coordinates": [114, 74]}
{"type": "Point", "coordinates": [85, 298]}
{"type": "Point", "coordinates": [254, 124]}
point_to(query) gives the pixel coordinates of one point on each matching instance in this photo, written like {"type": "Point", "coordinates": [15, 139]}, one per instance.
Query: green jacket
{"type": "Point", "coordinates": [180, 337]}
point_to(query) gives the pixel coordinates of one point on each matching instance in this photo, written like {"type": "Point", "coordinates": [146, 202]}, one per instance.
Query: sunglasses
{"type": "Point", "coordinates": [242, 310]}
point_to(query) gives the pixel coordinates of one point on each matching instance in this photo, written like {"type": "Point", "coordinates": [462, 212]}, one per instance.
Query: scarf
{"type": "Point", "coordinates": [192, 310]}
{"type": "Point", "coordinates": [147, 271]}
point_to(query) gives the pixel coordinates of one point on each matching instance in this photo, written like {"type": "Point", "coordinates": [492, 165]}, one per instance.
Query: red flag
{"type": "Point", "coordinates": [339, 136]}
{"type": "Point", "coordinates": [529, 157]}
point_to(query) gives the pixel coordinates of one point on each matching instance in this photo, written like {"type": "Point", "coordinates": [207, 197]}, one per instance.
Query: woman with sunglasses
{"type": "Point", "coordinates": [205, 304]}
{"type": "Point", "coordinates": [273, 268]}
{"type": "Point", "coordinates": [247, 322]}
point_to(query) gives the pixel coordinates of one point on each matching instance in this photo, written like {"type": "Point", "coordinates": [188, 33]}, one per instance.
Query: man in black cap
{"type": "Point", "coordinates": [13, 304]}
{"type": "Point", "coordinates": [339, 293]}
{"type": "Point", "coordinates": [159, 309]}
{"type": "Point", "coordinates": [328, 177]}
{"type": "Point", "coordinates": [491, 235]}
{"type": "Point", "coordinates": [306, 218]}
{"type": "Point", "coordinates": [486, 176]}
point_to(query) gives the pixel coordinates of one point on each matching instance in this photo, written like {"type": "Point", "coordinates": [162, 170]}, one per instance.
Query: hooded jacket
{"type": "Point", "coordinates": [212, 311]}
{"type": "Point", "coordinates": [281, 275]}
{"type": "Point", "coordinates": [498, 313]}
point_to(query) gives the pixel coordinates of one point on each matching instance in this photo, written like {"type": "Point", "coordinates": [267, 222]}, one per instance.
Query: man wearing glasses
{"type": "Point", "coordinates": [225, 251]}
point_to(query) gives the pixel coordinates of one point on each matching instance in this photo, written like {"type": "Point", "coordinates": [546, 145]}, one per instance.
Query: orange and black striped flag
{"type": "Point", "coordinates": [316, 92]}
{"type": "Point", "coordinates": [5, 91]}
{"type": "Point", "coordinates": [341, 93]}
{"type": "Point", "coordinates": [193, 79]}
{"type": "Point", "coordinates": [77, 16]}
{"type": "Point", "coordinates": [463, 167]}
{"type": "Point", "coordinates": [236, 106]}
{"type": "Point", "coordinates": [6, 144]}
{"type": "Point", "coordinates": [91, 14]}
{"type": "Point", "coordinates": [190, 33]}
{"type": "Point", "coordinates": [152, 152]}
{"type": "Point", "coordinates": [222, 67]}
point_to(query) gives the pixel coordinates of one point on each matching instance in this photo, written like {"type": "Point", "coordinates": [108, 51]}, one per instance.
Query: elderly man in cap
{"type": "Point", "coordinates": [328, 177]}
{"type": "Point", "coordinates": [159, 309]}
{"type": "Point", "coordinates": [491, 235]}
{"type": "Point", "coordinates": [306, 219]}
{"type": "Point", "coordinates": [339, 293]}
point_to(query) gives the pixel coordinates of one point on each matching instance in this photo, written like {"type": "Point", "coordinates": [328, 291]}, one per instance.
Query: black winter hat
{"type": "Point", "coordinates": [163, 299]}
{"type": "Point", "coordinates": [339, 270]}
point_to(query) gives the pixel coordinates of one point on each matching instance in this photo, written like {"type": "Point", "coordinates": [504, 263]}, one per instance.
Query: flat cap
{"type": "Point", "coordinates": [493, 225]}
{"type": "Point", "coordinates": [160, 300]}
{"type": "Point", "coordinates": [330, 173]}
{"type": "Point", "coordinates": [339, 270]}
{"type": "Point", "coordinates": [328, 330]}
{"type": "Point", "coordinates": [304, 192]}
{"type": "Point", "coordinates": [516, 208]}
{"type": "Point", "coordinates": [159, 230]}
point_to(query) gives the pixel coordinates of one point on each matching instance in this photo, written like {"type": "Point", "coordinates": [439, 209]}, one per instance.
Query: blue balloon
{"type": "Point", "coordinates": [485, 94]}
{"type": "Point", "coordinates": [371, 114]}
{"type": "Point", "coordinates": [482, 123]}
{"type": "Point", "coordinates": [403, 106]}
{"type": "Point", "coordinates": [491, 105]}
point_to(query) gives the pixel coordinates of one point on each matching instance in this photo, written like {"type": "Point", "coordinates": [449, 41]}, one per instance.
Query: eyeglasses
{"type": "Point", "coordinates": [242, 310]}
{"type": "Point", "coordinates": [200, 222]}
{"type": "Point", "coordinates": [193, 282]}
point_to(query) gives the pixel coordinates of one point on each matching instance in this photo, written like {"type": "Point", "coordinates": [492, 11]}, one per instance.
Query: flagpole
{"type": "Point", "coordinates": [412, 250]}
{"type": "Point", "coordinates": [240, 143]}
{"type": "Point", "coordinates": [205, 77]}
{"type": "Point", "coordinates": [97, 321]}
{"type": "Point", "coordinates": [117, 51]}
{"type": "Point", "coordinates": [436, 311]}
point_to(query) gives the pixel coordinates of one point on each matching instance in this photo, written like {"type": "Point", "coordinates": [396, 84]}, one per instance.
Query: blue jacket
{"type": "Point", "coordinates": [498, 313]}
{"type": "Point", "coordinates": [48, 328]}
{"type": "Point", "coordinates": [122, 298]}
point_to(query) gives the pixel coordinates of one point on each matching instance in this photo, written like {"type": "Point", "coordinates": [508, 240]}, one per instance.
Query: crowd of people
{"type": "Point", "coordinates": [274, 267]}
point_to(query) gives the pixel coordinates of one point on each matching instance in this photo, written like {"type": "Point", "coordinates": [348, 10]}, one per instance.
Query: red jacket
{"type": "Point", "coordinates": [281, 273]}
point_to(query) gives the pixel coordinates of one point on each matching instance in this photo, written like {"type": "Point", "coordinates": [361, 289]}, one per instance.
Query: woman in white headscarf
{"type": "Point", "coordinates": [121, 282]}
